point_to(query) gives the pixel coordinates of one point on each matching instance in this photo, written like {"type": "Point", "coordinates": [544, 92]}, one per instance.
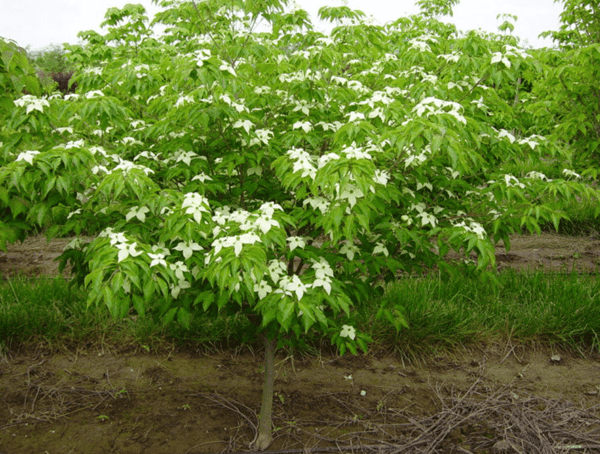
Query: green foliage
{"type": "Point", "coordinates": [275, 172]}
{"type": "Point", "coordinates": [574, 67]}
{"type": "Point", "coordinates": [16, 75]}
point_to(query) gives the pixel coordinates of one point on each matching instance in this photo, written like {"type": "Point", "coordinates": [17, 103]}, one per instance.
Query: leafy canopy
{"type": "Point", "coordinates": [243, 161]}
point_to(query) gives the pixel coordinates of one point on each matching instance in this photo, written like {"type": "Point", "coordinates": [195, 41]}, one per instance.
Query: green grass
{"type": "Point", "coordinates": [443, 316]}
{"type": "Point", "coordinates": [550, 309]}
{"type": "Point", "coordinates": [583, 219]}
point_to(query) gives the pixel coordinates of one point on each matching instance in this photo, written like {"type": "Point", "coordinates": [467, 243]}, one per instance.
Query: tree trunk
{"type": "Point", "coordinates": [265, 424]}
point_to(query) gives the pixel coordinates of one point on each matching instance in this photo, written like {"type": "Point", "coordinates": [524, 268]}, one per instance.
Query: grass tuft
{"type": "Point", "coordinates": [558, 310]}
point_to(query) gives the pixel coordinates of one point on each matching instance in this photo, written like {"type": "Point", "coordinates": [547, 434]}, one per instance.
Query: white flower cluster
{"type": "Point", "coordinates": [473, 227]}
{"type": "Point", "coordinates": [433, 106]}
{"type": "Point", "coordinates": [351, 193]}
{"type": "Point", "coordinates": [511, 181]}
{"type": "Point", "coordinates": [303, 162]}
{"type": "Point", "coordinates": [31, 103]}
{"type": "Point", "coordinates": [416, 159]}
{"type": "Point", "coordinates": [196, 204]}
{"type": "Point", "coordinates": [509, 51]}
{"type": "Point", "coordinates": [291, 286]}
{"type": "Point", "coordinates": [319, 203]}
{"type": "Point", "coordinates": [27, 156]}
{"type": "Point", "coordinates": [570, 173]}
{"type": "Point", "coordinates": [426, 218]}
{"type": "Point", "coordinates": [120, 241]}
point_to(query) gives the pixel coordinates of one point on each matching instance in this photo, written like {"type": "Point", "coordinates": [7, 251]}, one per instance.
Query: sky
{"type": "Point", "coordinates": [39, 23]}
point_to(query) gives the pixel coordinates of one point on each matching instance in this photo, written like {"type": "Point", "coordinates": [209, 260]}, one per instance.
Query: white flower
{"type": "Point", "coordinates": [73, 213]}
{"type": "Point", "coordinates": [32, 103]}
{"type": "Point", "coordinates": [528, 141]}
{"type": "Point", "coordinates": [94, 94]}
{"type": "Point", "coordinates": [322, 268]}
{"type": "Point", "coordinates": [348, 331]}
{"type": "Point", "coordinates": [115, 237]}
{"type": "Point", "coordinates": [193, 199]}
{"type": "Point", "coordinates": [352, 152]}
{"type": "Point", "coordinates": [227, 67]}
{"type": "Point", "coordinates": [131, 140]}
{"type": "Point", "coordinates": [419, 45]}
{"type": "Point", "coordinates": [97, 169]}
{"type": "Point", "coordinates": [508, 135]}
{"type": "Point", "coordinates": [380, 248]}
{"type": "Point", "coordinates": [351, 193]}
{"type": "Point", "coordinates": [157, 259]}
{"type": "Point", "coordinates": [126, 250]}
{"type": "Point", "coordinates": [570, 173]}
{"type": "Point", "coordinates": [305, 125]}
{"type": "Point", "coordinates": [202, 178]}
{"type": "Point", "coordinates": [137, 212]}
{"type": "Point", "coordinates": [293, 284]}
{"type": "Point", "coordinates": [262, 136]}
{"type": "Point", "coordinates": [353, 116]}
{"type": "Point", "coordinates": [183, 100]}
{"type": "Point", "coordinates": [268, 208]}
{"type": "Point", "coordinates": [323, 160]}
{"type": "Point", "coordinates": [136, 123]}
{"type": "Point", "coordinates": [185, 156]}
{"type": "Point", "coordinates": [537, 176]}
{"type": "Point", "coordinates": [237, 242]}
{"type": "Point", "coordinates": [381, 177]}
{"type": "Point", "coordinates": [27, 156]}
{"type": "Point", "coordinates": [350, 250]}
{"type": "Point", "coordinates": [179, 269]}
{"type": "Point", "coordinates": [188, 248]}
{"type": "Point", "coordinates": [176, 288]}
{"type": "Point", "coordinates": [265, 223]}
{"type": "Point", "coordinates": [513, 181]}
{"type": "Point", "coordinates": [318, 202]}
{"type": "Point", "coordinates": [497, 57]}
{"type": "Point", "coordinates": [296, 241]}
{"type": "Point", "coordinates": [427, 218]}
{"type": "Point", "coordinates": [276, 269]}
{"type": "Point", "coordinates": [325, 283]}
{"type": "Point", "coordinates": [262, 288]}
{"type": "Point", "coordinates": [246, 124]}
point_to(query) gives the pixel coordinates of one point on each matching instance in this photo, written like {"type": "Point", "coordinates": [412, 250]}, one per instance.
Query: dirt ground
{"type": "Point", "coordinates": [551, 252]}
{"type": "Point", "coordinates": [501, 399]}
{"type": "Point", "coordinates": [497, 399]}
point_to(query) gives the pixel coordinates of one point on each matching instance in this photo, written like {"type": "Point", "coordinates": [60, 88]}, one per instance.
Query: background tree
{"type": "Point", "coordinates": [568, 93]}
{"type": "Point", "coordinates": [53, 68]}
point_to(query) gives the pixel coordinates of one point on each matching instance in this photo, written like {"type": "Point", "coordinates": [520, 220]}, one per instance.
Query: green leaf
{"type": "Point", "coordinates": [184, 318]}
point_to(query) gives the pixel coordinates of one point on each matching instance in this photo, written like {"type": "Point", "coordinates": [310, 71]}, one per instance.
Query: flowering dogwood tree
{"type": "Point", "coordinates": [243, 161]}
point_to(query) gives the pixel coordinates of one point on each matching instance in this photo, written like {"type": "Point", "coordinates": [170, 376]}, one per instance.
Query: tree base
{"type": "Point", "coordinates": [263, 441]}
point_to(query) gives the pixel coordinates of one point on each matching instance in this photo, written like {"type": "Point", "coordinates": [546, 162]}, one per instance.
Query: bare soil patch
{"type": "Point", "coordinates": [502, 399]}
{"type": "Point", "coordinates": [549, 252]}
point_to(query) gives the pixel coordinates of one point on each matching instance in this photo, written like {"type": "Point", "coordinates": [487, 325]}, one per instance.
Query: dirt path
{"type": "Point", "coordinates": [476, 402]}
{"type": "Point", "coordinates": [553, 253]}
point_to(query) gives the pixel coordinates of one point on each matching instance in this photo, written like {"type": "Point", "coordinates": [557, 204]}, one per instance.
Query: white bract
{"type": "Point", "coordinates": [348, 331]}
{"type": "Point", "coordinates": [32, 103]}
{"type": "Point", "coordinates": [27, 156]}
